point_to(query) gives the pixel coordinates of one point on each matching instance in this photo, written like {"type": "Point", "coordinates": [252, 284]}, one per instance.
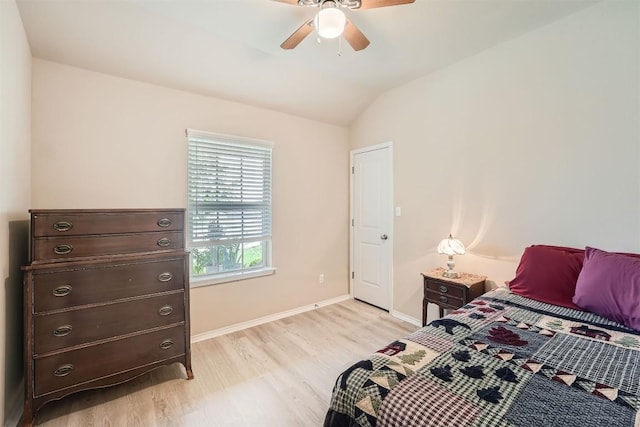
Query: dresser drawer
{"type": "Point", "coordinates": [71, 247]}
{"type": "Point", "coordinates": [69, 328]}
{"type": "Point", "coordinates": [64, 288]}
{"type": "Point", "coordinates": [445, 288]}
{"type": "Point", "coordinates": [444, 299]}
{"type": "Point", "coordinates": [73, 223]}
{"type": "Point", "coordinates": [77, 366]}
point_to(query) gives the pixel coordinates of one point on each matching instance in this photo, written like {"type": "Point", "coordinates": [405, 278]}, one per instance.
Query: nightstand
{"type": "Point", "coordinates": [449, 293]}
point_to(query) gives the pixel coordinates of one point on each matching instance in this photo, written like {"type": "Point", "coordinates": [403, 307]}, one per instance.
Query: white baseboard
{"type": "Point", "coordinates": [406, 318]}
{"type": "Point", "coordinates": [14, 407]}
{"type": "Point", "coordinates": [266, 319]}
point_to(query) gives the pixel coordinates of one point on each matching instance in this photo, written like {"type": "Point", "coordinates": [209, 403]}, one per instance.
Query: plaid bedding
{"type": "Point", "coordinates": [501, 360]}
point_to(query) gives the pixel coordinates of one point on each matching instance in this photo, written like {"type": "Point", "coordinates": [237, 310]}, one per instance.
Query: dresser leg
{"type": "Point", "coordinates": [27, 416]}
{"type": "Point", "coordinates": [441, 312]}
{"type": "Point", "coordinates": [187, 364]}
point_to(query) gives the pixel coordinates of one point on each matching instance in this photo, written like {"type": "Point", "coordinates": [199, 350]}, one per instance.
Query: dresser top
{"type": "Point", "coordinates": [466, 279]}
{"type": "Point", "coordinates": [106, 211]}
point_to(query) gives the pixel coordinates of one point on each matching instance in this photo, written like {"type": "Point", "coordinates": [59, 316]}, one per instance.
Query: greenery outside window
{"type": "Point", "coordinates": [229, 213]}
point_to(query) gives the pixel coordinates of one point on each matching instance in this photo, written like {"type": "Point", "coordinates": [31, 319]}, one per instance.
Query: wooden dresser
{"type": "Point", "coordinates": [106, 299]}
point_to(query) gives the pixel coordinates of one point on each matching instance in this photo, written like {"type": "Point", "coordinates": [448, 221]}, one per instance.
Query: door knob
{"type": "Point", "coordinates": [384, 237]}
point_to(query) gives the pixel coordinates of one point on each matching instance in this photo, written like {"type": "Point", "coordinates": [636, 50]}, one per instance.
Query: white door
{"type": "Point", "coordinates": [372, 223]}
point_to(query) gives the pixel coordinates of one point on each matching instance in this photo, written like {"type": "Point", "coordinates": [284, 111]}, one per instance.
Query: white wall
{"type": "Point", "coordinates": [106, 142]}
{"type": "Point", "coordinates": [533, 141]}
{"type": "Point", "coordinates": [15, 191]}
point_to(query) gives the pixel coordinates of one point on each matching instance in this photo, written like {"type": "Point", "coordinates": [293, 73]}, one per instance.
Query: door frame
{"type": "Point", "coordinates": [385, 145]}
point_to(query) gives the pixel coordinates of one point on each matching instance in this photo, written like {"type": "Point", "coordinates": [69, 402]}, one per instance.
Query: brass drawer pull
{"type": "Point", "coordinates": [443, 289]}
{"type": "Point", "coordinates": [63, 249]}
{"type": "Point", "coordinates": [166, 344]}
{"type": "Point", "coordinates": [165, 310]}
{"type": "Point", "coordinates": [62, 291]}
{"type": "Point", "coordinates": [443, 298]}
{"type": "Point", "coordinates": [62, 226]}
{"type": "Point", "coordinates": [62, 331]}
{"type": "Point", "coordinates": [165, 277]}
{"type": "Point", "coordinates": [164, 242]}
{"type": "Point", "coordinates": [164, 222]}
{"type": "Point", "coordinates": [63, 370]}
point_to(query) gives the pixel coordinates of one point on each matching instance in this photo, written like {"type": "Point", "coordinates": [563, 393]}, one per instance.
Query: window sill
{"type": "Point", "coordinates": [230, 277]}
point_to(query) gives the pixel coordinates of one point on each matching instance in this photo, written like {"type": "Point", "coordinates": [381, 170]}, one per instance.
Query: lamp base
{"type": "Point", "coordinates": [450, 274]}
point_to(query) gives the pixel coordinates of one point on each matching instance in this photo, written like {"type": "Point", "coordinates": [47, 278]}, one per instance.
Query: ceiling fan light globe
{"type": "Point", "coordinates": [330, 23]}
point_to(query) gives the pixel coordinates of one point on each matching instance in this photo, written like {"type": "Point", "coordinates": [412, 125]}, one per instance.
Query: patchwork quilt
{"type": "Point", "coordinates": [502, 360]}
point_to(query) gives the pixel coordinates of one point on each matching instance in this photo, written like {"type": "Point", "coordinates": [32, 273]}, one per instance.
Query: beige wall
{"type": "Point", "coordinates": [15, 192]}
{"type": "Point", "coordinates": [106, 142]}
{"type": "Point", "coordinates": [533, 141]}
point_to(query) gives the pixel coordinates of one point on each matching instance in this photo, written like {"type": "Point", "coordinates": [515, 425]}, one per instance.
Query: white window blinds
{"type": "Point", "coordinates": [229, 189]}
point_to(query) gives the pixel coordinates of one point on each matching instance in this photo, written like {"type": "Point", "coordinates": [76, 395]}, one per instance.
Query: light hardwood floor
{"type": "Point", "coordinates": [278, 374]}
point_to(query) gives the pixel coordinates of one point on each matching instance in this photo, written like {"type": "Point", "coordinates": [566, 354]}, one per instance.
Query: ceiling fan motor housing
{"type": "Point", "coordinates": [350, 4]}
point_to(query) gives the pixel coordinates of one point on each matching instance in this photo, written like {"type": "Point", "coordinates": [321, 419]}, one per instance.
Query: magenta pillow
{"type": "Point", "coordinates": [548, 274]}
{"type": "Point", "coordinates": [609, 285]}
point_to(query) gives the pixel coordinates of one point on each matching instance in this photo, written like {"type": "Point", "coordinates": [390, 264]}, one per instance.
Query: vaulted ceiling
{"type": "Point", "coordinates": [230, 49]}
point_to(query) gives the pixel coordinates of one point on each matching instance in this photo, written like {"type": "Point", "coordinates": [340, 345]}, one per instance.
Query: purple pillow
{"type": "Point", "coordinates": [609, 285]}
{"type": "Point", "coordinates": [548, 274]}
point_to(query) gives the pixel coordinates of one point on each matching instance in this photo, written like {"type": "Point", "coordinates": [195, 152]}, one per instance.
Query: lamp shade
{"type": "Point", "coordinates": [330, 22]}
{"type": "Point", "coordinates": [451, 246]}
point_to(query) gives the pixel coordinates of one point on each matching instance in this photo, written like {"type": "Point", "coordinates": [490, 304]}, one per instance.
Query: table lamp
{"type": "Point", "coordinates": [451, 247]}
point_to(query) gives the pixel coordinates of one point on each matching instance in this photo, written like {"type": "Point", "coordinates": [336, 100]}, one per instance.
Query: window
{"type": "Point", "coordinates": [229, 214]}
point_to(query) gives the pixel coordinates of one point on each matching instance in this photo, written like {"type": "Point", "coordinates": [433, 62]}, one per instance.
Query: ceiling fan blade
{"type": "Point", "coordinates": [354, 36]}
{"type": "Point", "coordinates": [298, 35]}
{"type": "Point", "coordinates": [372, 4]}
{"type": "Point", "coordinates": [294, 2]}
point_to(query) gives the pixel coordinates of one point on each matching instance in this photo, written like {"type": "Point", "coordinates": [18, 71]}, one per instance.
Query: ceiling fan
{"type": "Point", "coordinates": [331, 22]}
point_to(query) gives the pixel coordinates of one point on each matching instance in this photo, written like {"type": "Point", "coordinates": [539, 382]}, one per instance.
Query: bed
{"type": "Point", "coordinates": [504, 360]}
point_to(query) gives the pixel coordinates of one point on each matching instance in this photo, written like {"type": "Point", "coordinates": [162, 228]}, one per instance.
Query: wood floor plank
{"type": "Point", "coordinates": [277, 374]}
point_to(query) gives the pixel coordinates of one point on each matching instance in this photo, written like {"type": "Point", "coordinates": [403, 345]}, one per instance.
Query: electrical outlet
{"type": "Point", "coordinates": [321, 279]}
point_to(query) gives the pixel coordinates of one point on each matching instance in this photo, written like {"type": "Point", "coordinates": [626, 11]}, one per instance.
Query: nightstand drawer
{"type": "Point", "coordinates": [444, 288]}
{"type": "Point", "coordinates": [444, 299]}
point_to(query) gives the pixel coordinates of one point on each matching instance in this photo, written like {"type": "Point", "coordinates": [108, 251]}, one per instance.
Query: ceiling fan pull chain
{"type": "Point", "coordinates": [339, 46]}
{"type": "Point", "coordinates": [318, 26]}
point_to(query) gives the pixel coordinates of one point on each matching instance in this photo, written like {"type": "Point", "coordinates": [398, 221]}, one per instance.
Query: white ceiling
{"type": "Point", "coordinates": [230, 48]}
